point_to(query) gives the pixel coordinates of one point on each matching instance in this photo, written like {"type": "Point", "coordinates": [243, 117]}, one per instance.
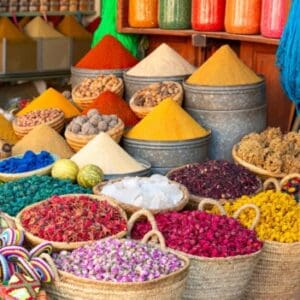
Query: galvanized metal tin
{"type": "Point", "coordinates": [164, 156]}
{"type": "Point", "coordinates": [78, 74]}
{"type": "Point", "coordinates": [135, 83]}
{"type": "Point", "coordinates": [230, 111]}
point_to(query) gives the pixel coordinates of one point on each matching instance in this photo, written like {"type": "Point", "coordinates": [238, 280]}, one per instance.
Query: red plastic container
{"type": "Point", "coordinates": [208, 15]}
{"type": "Point", "coordinates": [274, 16]}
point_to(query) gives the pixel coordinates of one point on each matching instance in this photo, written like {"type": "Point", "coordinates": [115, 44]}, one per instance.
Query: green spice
{"type": "Point", "coordinates": [16, 195]}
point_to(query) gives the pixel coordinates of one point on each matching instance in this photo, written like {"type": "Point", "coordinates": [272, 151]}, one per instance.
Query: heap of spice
{"type": "Point", "coordinates": [51, 99]}
{"type": "Point", "coordinates": [38, 117]}
{"type": "Point", "coordinates": [16, 195]}
{"type": "Point", "coordinates": [69, 26]}
{"type": "Point", "coordinates": [38, 28]}
{"type": "Point", "coordinates": [202, 234]}
{"type": "Point", "coordinates": [279, 218]}
{"type": "Point", "coordinates": [108, 54]}
{"type": "Point", "coordinates": [43, 138]}
{"type": "Point", "coordinates": [272, 150]}
{"type": "Point", "coordinates": [28, 162]}
{"type": "Point", "coordinates": [93, 87]}
{"type": "Point", "coordinates": [105, 153]}
{"type": "Point", "coordinates": [223, 68]}
{"type": "Point", "coordinates": [217, 179]}
{"type": "Point", "coordinates": [9, 31]}
{"type": "Point", "coordinates": [162, 62]}
{"type": "Point", "coordinates": [73, 219]}
{"type": "Point", "coordinates": [155, 192]}
{"type": "Point", "coordinates": [109, 103]}
{"type": "Point", "coordinates": [167, 122]}
{"type": "Point", "coordinates": [7, 132]}
{"type": "Point", "coordinates": [93, 123]}
{"type": "Point", "coordinates": [113, 260]}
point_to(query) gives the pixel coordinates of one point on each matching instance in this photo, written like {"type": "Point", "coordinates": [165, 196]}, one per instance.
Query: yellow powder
{"type": "Point", "coordinates": [167, 122]}
{"type": "Point", "coordinates": [24, 21]}
{"type": "Point", "coordinates": [9, 31]}
{"type": "Point", "coordinates": [6, 131]}
{"type": "Point", "coordinates": [38, 28]}
{"type": "Point", "coordinates": [71, 28]}
{"type": "Point", "coordinates": [51, 99]}
{"type": "Point", "coordinates": [105, 153]}
{"type": "Point", "coordinates": [223, 68]}
{"type": "Point", "coordinates": [45, 138]}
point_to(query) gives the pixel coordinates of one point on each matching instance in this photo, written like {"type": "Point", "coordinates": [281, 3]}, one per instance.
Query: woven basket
{"type": "Point", "coordinates": [86, 102]}
{"type": "Point", "coordinates": [170, 287]}
{"type": "Point", "coordinates": [57, 124]}
{"type": "Point", "coordinates": [262, 173]}
{"type": "Point", "coordinates": [278, 185]}
{"type": "Point", "coordinates": [130, 209]}
{"type": "Point", "coordinates": [142, 111]}
{"type": "Point", "coordinates": [34, 240]}
{"type": "Point", "coordinates": [77, 141]}
{"type": "Point", "coordinates": [6, 177]}
{"type": "Point", "coordinates": [195, 200]}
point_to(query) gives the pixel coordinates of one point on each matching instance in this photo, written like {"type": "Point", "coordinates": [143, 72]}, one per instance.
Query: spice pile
{"type": "Point", "coordinates": [28, 162]}
{"type": "Point", "coordinates": [38, 139]}
{"type": "Point", "coordinates": [108, 54]}
{"type": "Point", "coordinates": [105, 153]}
{"type": "Point", "coordinates": [217, 179]}
{"type": "Point", "coordinates": [16, 195]}
{"type": "Point", "coordinates": [93, 87]}
{"type": "Point", "coordinates": [93, 123]}
{"type": "Point", "coordinates": [7, 132]}
{"type": "Point", "coordinates": [73, 219]}
{"type": "Point", "coordinates": [167, 122]}
{"type": "Point", "coordinates": [223, 68]}
{"type": "Point", "coordinates": [118, 261]}
{"type": "Point", "coordinates": [272, 150]}
{"type": "Point", "coordinates": [9, 31]}
{"type": "Point", "coordinates": [70, 27]}
{"type": "Point", "coordinates": [280, 216]}
{"type": "Point", "coordinates": [162, 62]}
{"type": "Point", "coordinates": [39, 116]}
{"type": "Point", "coordinates": [202, 234]}
{"type": "Point", "coordinates": [109, 103]}
{"type": "Point", "coordinates": [155, 192]}
{"type": "Point", "coordinates": [51, 99]}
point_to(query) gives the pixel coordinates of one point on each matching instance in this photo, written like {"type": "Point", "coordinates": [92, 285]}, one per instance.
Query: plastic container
{"type": "Point", "coordinates": [273, 18]}
{"type": "Point", "coordinates": [13, 6]}
{"type": "Point", "coordinates": [64, 5]}
{"type": "Point", "coordinates": [143, 13]}
{"type": "Point", "coordinates": [83, 5]}
{"type": "Point", "coordinates": [34, 5]}
{"type": "Point", "coordinates": [243, 17]}
{"type": "Point", "coordinates": [4, 6]}
{"type": "Point", "coordinates": [23, 5]}
{"type": "Point", "coordinates": [174, 14]}
{"type": "Point", "coordinates": [54, 5]}
{"type": "Point", "coordinates": [44, 5]}
{"type": "Point", "coordinates": [208, 15]}
{"type": "Point", "coordinates": [73, 5]}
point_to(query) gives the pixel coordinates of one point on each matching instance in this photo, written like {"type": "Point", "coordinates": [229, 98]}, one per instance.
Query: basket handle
{"type": "Point", "coordinates": [48, 259]}
{"type": "Point", "coordinates": [213, 202]}
{"type": "Point", "coordinates": [273, 181]}
{"type": "Point", "coordinates": [287, 178]}
{"type": "Point", "coordinates": [137, 215]}
{"type": "Point", "coordinates": [158, 234]}
{"type": "Point", "coordinates": [10, 221]}
{"type": "Point", "coordinates": [257, 216]}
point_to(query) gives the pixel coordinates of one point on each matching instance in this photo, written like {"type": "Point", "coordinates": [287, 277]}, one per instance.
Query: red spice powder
{"type": "Point", "coordinates": [108, 54]}
{"type": "Point", "coordinates": [109, 103]}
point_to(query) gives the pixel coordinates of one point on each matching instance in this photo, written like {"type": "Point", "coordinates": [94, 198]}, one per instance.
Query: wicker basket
{"type": "Point", "coordinates": [262, 173]}
{"type": "Point", "coordinates": [86, 102]}
{"type": "Point", "coordinates": [34, 240]}
{"type": "Point", "coordinates": [6, 177]}
{"type": "Point", "coordinates": [142, 111]}
{"type": "Point", "coordinates": [169, 287]}
{"type": "Point", "coordinates": [57, 124]}
{"type": "Point", "coordinates": [77, 141]}
{"type": "Point", "coordinates": [130, 209]}
{"type": "Point", "coordinates": [195, 200]}
{"type": "Point", "coordinates": [278, 185]}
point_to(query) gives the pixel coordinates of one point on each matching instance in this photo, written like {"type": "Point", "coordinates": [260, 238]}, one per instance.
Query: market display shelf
{"type": "Point", "coordinates": [48, 13]}
{"type": "Point", "coordinates": [34, 76]}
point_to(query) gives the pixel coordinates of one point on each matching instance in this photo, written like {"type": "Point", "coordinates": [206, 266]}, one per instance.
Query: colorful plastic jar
{"type": "Point", "coordinates": [174, 14]}
{"type": "Point", "coordinates": [243, 16]}
{"type": "Point", "coordinates": [273, 17]}
{"type": "Point", "coordinates": [143, 13]}
{"type": "Point", "coordinates": [208, 15]}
